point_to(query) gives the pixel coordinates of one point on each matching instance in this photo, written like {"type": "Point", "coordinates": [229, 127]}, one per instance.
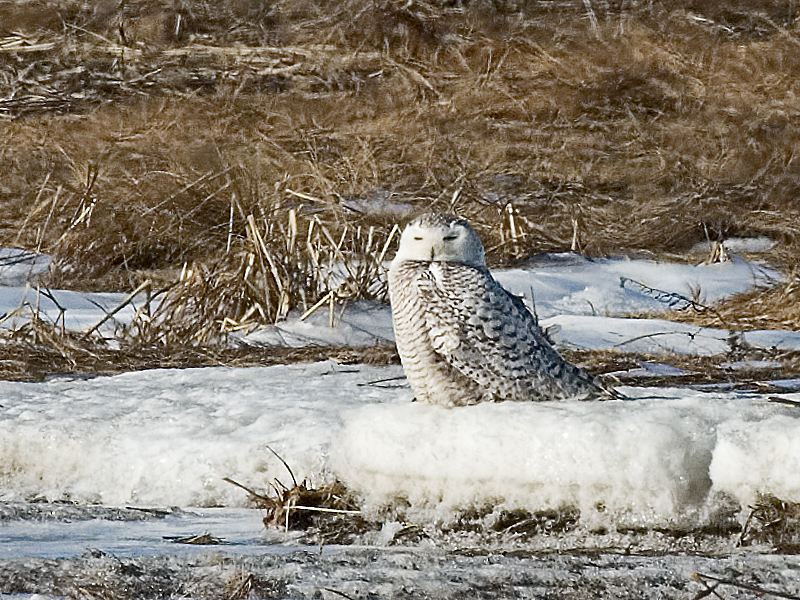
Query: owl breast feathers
{"type": "Point", "coordinates": [462, 338]}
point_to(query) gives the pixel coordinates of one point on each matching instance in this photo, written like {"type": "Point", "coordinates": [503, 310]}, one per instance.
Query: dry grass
{"type": "Point", "coordinates": [40, 349]}
{"type": "Point", "coordinates": [773, 522]}
{"type": "Point", "coordinates": [774, 308]}
{"type": "Point", "coordinates": [330, 512]}
{"type": "Point", "coordinates": [252, 146]}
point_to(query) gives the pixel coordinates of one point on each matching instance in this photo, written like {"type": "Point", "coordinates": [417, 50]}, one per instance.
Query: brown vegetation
{"type": "Point", "coordinates": [252, 145]}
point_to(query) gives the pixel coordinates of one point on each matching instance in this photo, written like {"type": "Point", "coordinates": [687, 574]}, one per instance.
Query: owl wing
{"type": "Point", "coordinates": [490, 337]}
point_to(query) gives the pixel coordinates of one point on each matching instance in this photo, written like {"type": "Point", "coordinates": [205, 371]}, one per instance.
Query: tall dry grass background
{"type": "Point", "coordinates": [231, 153]}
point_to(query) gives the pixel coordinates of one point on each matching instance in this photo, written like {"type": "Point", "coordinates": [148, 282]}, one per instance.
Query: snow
{"type": "Point", "coordinates": [581, 301]}
{"type": "Point", "coordinates": [574, 285]}
{"type": "Point", "coordinates": [653, 460]}
{"type": "Point", "coordinates": [665, 457]}
{"type": "Point", "coordinates": [78, 310]}
{"type": "Point", "coordinates": [169, 437]}
{"type": "Point", "coordinates": [20, 266]}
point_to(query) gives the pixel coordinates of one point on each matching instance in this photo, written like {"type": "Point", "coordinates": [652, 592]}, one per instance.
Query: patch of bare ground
{"type": "Point", "coordinates": [233, 153]}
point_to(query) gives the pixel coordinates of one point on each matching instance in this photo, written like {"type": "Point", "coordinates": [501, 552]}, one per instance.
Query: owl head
{"type": "Point", "coordinates": [437, 237]}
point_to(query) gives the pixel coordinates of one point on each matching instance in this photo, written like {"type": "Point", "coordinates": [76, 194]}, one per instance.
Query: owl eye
{"type": "Point", "coordinates": [419, 239]}
{"type": "Point", "coordinates": [450, 237]}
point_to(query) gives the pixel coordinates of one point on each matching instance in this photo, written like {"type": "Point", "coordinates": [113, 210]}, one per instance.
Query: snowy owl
{"type": "Point", "coordinates": [462, 338]}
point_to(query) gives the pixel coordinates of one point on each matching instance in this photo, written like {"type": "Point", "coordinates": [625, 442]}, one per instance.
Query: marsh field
{"type": "Point", "coordinates": [223, 164]}
{"type": "Point", "coordinates": [241, 146]}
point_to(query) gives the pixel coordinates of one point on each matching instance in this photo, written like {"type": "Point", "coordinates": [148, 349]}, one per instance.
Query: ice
{"type": "Point", "coordinates": [239, 531]}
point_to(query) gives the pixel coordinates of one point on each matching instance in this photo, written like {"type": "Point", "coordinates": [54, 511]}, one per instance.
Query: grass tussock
{"type": "Point", "coordinates": [773, 522]}
{"type": "Point", "coordinates": [330, 512]}
{"type": "Point", "coordinates": [774, 308]}
{"type": "Point", "coordinates": [252, 158]}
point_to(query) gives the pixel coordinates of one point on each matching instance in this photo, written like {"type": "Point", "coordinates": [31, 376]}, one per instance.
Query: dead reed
{"type": "Point", "coordinates": [249, 159]}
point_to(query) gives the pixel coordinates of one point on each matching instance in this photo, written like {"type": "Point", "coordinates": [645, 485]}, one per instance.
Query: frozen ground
{"type": "Point", "coordinates": [647, 475]}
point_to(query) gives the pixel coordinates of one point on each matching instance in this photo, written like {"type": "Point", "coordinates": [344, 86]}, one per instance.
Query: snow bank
{"type": "Point", "coordinates": [169, 437]}
{"type": "Point", "coordinates": [649, 460]}
{"type": "Point", "coordinates": [752, 456]}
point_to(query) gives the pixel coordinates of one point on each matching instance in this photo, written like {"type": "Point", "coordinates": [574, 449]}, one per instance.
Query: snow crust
{"type": "Point", "coordinates": [169, 437]}
{"type": "Point", "coordinates": [649, 460]}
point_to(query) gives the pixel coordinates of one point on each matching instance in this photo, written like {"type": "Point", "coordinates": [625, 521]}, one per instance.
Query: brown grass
{"type": "Point", "coordinates": [773, 522]}
{"type": "Point", "coordinates": [252, 144]}
{"type": "Point", "coordinates": [39, 350]}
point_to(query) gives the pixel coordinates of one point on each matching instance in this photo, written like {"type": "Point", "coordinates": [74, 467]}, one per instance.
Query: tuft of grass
{"type": "Point", "coordinates": [773, 522]}
{"type": "Point", "coordinates": [330, 512]}
{"type": "Point", "coordinates": [777, 307]}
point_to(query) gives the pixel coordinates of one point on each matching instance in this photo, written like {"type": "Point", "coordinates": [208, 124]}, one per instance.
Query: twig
{"type": "Point", "coordinates": [36, 208]}
{"type": "Point", "coordinates": [248, 490]}
{"type": "Point", "coordinates": [592, 18]}
{"type": "Point", "coordinates": [314, 308]}
{"type": "Point", "coordinates": [673, 300]}
{"type": "Point", "coordinates": [656, 334]}
{"type": "Point", "coordinates": [305, 196]}
{"type": "Point", "coordinates": [122, 305]}
{"type": "Point", "coordinates": [327, 510]}
{"type": "Point", "coordinates": [285, 464]}
{"type": "Point", "coordinates": [337, 592]}
{"type": "Point", "coordinates": [744, 586]}
{"type": "Point", "coordinates": [376, 381]}
{"type": "Point", "coordinates": [779, 400]}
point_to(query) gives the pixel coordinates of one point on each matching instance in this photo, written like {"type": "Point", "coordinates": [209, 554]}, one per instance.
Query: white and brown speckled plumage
{"type": "Point", "coordinates": [461, 336]}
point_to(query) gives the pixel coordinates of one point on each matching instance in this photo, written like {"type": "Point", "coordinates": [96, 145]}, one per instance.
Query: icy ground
{"type": "Point", "coordinates": [642, 475]}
